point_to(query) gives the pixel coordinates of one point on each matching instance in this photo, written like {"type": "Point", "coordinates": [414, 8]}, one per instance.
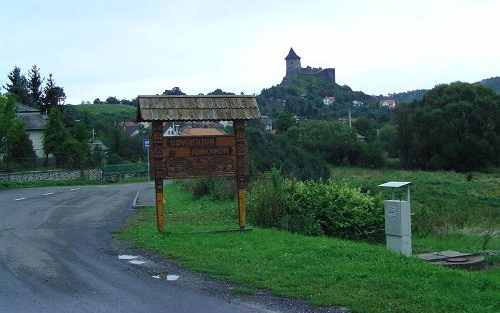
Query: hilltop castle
{"type": "Point", "coordinates": [294, 69]}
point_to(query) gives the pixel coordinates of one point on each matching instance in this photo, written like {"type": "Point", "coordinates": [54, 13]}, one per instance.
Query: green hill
{"type": "Point", "coordinates": [492, 82]}
{"type": "Point", "coordinates": [107, 112]}
{"type": "Point", "coordinates": [409, 96]}
{"type": "Point", "coordinates": [304, 96]}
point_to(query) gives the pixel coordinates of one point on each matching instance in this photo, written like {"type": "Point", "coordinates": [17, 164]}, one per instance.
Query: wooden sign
{"type": "Point", "coordinates": [199, 156]}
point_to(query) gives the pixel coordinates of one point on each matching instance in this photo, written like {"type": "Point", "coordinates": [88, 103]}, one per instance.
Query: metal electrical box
{"type": "Point", "coordinates": [398, 226]}
{"type": "Point", "coordinates": [398, 221]}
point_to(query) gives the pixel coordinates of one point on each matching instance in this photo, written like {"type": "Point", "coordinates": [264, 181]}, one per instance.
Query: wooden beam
{"type": "Point", "coordinates": [158, 168]}
{"type": "Point", "coordinates": [241, 172]}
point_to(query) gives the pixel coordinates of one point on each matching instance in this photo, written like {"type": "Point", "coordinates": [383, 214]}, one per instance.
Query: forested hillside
{"type": "Point", "coordinates": [493, 83]}
{"type": "Point", "coordinates": [303, 96]}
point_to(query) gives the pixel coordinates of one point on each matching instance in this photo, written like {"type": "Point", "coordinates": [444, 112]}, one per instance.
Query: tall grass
{"type": "Point", "coordinates": [442, 202]}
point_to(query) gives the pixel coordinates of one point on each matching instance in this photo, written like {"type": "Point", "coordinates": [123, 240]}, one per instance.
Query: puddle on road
{"type": "Point", "coordinates": [136, 262]}
{"type": "Point", "coordinates": [166, 277]}
{"type": "Point", "coordinates": [127, 257]}
{"type": "Point", "coordinates": [172, 277]}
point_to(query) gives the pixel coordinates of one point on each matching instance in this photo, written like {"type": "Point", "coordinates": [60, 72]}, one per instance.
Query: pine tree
{"type": "Point", "coordinates": [18, 86]}
{"type": "Point", "coordinates": [35, 87]}
{"type": "Point", "coordinates": [54, 95]}
{"type": "Point", "coordinates": [54, 136]}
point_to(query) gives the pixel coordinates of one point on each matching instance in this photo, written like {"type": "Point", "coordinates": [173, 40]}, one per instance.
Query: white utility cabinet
{"type": "Point", "coordinates": [398, 220]}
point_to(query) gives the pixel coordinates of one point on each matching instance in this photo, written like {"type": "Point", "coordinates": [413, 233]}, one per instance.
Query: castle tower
{"type": "Point", "coordinates": [292, 64]}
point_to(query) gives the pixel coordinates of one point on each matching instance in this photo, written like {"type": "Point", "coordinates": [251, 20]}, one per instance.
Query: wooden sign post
{"type": "Point", "coordinates": [158, 171]}
{"type": "Point", "coordinates": [241, 175]}
{"type": "Point", "coordinates": [180, 157]}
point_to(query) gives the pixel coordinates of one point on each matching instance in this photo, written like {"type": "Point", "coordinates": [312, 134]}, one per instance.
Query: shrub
{"type": "Point", "coordinates": [114, 159]}
{"type": "Point", "coordinates": [218, 189]}
{"type": "Point", "coordinates": [372, 155]}
{"type": "Point", "coordinates": [269, 199]}
{"type": "Point", "coordinates": [316, 208]}
{"type": "Point", "coordinates": [267, 151]}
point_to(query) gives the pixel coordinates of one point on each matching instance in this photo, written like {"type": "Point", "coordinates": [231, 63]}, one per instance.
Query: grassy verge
{"type": "Point", "coordinates": [125, 168]}
{"type": "Point", "coordinates": [69, 182]}
{"type": "Point", "coordinates": [325, 271]}
{"type": "Point", "coordinates": [442, 201]}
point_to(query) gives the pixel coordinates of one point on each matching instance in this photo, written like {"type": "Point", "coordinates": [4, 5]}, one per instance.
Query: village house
{"type": "Point", "coordinates": [202, 132]}
{"type": "Point", "coordinates": [389, 103]}
{"type": "Point", "coordinates": [172, 130]}
{"type": "Point", "coordinates": [34, 123]}
{"type": "Point", "coordinates": [128, 127]}
{"type": "Point", "coordinates": [267, 121]}
{"type": "Point", "coordinates": [132, 129]}
{"type": "Point", "coordinates": [328, 100]}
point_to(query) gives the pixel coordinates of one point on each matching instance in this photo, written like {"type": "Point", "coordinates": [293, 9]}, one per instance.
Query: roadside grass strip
{"type": "Point", "coordinates": [69, 182]}
{"type": "Point", "coordinates": [325, 271]}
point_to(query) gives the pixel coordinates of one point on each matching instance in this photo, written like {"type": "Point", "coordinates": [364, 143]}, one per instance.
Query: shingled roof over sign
{"type": "Point", "coordinates": [197, 108]}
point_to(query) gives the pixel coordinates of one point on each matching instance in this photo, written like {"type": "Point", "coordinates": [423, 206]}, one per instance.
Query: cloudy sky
{"type": "Point", "coordinates": [125, 48]}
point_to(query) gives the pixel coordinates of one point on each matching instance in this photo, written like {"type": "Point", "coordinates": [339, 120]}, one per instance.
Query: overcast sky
{"type": "Point", "coordinates": [126, 48]}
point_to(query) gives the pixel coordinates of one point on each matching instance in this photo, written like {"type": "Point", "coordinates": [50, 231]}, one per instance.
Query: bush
{"type": "Point", "coordinates": [218, 189]}
{"type": "Point", "coordinates": [269, 198]}
{"type": "Point", "coordinates": [267, 151]}
{"type": "Point", "coordinates": [114, 159]}
{"type": "Point", "coordinates": [316, 208]}
{"type": "Point", "coordinates": [372, 155]}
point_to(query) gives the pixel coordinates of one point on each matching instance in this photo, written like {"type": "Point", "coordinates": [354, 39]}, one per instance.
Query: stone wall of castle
{"type": "Point", "coordinates": [326, 74]}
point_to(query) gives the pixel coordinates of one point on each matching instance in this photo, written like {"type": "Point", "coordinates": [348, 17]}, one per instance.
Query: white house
{"type": "Point", "coordinates": [34, 122]}
{"type": "Point", "coordinates": [328, 100]}
{"type": "Point", "coordinates": [172, 131]}
{"type": "Point", "coordinates": [267, 121]}
{"type": "Point", "coordinates": [389, 103]}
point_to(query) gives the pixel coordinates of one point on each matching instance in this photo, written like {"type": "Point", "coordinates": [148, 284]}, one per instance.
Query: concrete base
{"type": "Point", "coordinates": [399, 244]}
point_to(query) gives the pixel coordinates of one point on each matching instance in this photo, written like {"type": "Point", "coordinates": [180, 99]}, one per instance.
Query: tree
{"type": "Point", "coordinates": [388, 139]}
{"type": "Point", "coordinates": [284, 121]}
{"type": "Point", "coordinates": [454, 127]}
{"type": "Point", "coordinates": [364, 127]}
{"type": "Point", "coordinates": [54, 95]}
{"type": "Point", "coordinates": [267, 151]}
{"type": "Point", "coordinates": [335, 142]}
{"type": "Point", "coordinates": [35, 87]}
{"type": "Point", "coordinates": [112, 100]}
{"type": "Point", "coordinates": [69, 116]}
{"type": "Point", "coordinates": [176, 91]}
{"type": "Point", "coordinates": [219, 92]}
{"type": "Point", "coordinates": [97, 101]}
{"type": "Point", "coordinates": [73, 156]}
{"type": "Point", "coordinates": [18, 86]}
{"type": "Point", "coordinates": [14, 141]}
{"type": "Point", "coordinates": [55, 135]}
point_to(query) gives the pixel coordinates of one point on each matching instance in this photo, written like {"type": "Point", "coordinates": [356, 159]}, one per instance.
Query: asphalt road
{"type": "Point", "coordinates": [56, 255]}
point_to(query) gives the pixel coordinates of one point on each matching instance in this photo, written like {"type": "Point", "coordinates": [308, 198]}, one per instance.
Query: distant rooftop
{"type": "Point", "coordinates": [32, 120]}
{"type": "Point", "coordinates": [202, 132]}
{"type": "Point", "coordinates": [292, 55]}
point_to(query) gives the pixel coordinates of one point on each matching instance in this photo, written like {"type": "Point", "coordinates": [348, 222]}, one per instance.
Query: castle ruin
{"type": "Point", "coordinates": [294, 69]}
